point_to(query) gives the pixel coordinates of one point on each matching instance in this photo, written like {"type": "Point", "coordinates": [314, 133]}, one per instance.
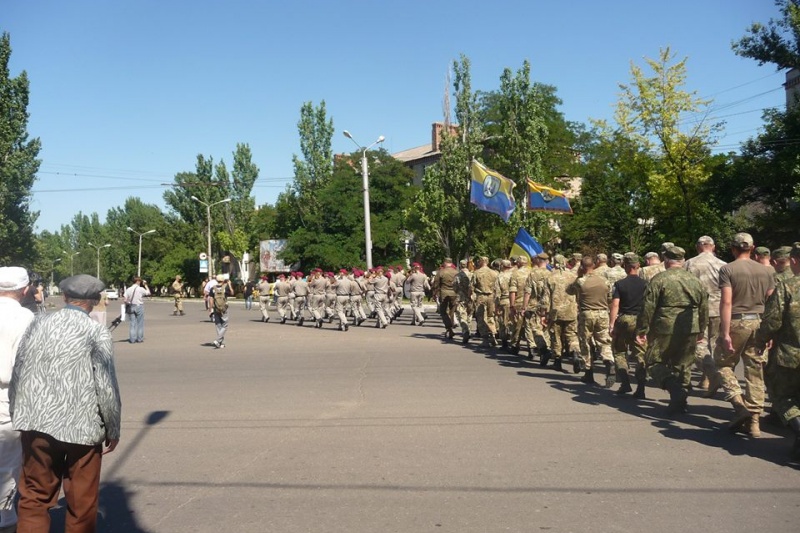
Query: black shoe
{"type": "Point", "coordinates": [330, 319]}
{"type": "Point", "coordinates": [300, 321]}
{"type": "Point", "coordinates": [577, 363]}
{"type": "Point", "coordinates": [544, 358]}
{"type": "Point", "coordinates": [421, 323]}
{"type": "Point", "coordinates": [359, 321]}
{"type": "Point", "coordinates": [450, 334]}
{"type": "Point", "coordinates": [677, 397]}
{"type": "Point", "coordinates": [504, 344]}
{"type": "Point", "coordinates": [347, 327]}
{"type": "Point", "coordinates": [283, 320]}
{"type": "Point", "coordinates": [530, 354]}
{"type": "Point", "coordinates": [625, 382]}
{"type": "Point", "coordinates": [557, 365]}
{"type": "Point", "coordinates": [639, 394]}
{"type": "Point", "coordinates": [266, 320]}
{"type": "Point", "coordinates": [513, 350]}
{"type": "Point", "coordinates": [794, 424]}
{"type": "Point", "coordinates": [588, 378]}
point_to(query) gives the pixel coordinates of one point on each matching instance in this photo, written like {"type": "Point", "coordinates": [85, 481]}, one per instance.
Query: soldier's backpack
{"type": "Point", "coordinates": [220, 301]}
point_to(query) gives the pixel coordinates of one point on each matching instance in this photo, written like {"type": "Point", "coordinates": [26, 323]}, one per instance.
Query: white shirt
{"type": "Point", "coordinates": [14, 320]}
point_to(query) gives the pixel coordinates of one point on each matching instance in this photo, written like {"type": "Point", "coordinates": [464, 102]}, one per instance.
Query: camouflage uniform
{"type": "Point", "coordinates": [464, 305]}
{"type": "Point", "coordinates": [445, 295]}
{"type": "Point", "coordinates": [675, 306]}
{"type": "Point", "coordinates": [592, 316]}
{"type": "Point", "coordinates": [781, 324]}
{"type": "Point", "coordinates": [483, 283]}
{"type": "Point", "coordinates": [516, 287]}
{"type": "Point", "coordinates": [535, 334]}
{"type": "Point", "coordinates": [706, 267]}
{"type": "Point", "coordinates": [503, 304]}
{"type": "Point", "coordinates": [649, 272]}
{"type": "Point", "coordinates": [562, 311]}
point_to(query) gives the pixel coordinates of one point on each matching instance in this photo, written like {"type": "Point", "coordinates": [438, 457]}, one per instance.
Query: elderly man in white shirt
{"type": "Point", "coordinates": [14, 320]}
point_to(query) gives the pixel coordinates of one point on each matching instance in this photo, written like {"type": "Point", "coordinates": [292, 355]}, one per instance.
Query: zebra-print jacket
{"type": "Point", "coordinates": [64, 383]}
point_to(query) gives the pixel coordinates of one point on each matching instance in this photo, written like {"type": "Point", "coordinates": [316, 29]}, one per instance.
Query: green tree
{"type": "Point", "coordinates": [18, 165]}
{"type": "Point", "coordinates": [777, 42]}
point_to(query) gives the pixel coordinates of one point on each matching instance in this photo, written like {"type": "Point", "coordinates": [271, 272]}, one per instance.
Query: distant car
{"type": "Point", "coordinates": [112, 294]}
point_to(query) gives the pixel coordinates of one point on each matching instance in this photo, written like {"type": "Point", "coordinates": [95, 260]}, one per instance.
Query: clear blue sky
{"type": "Point", "coordinates": [125, 94]}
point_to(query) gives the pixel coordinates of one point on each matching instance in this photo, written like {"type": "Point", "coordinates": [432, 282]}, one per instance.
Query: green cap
{"type": "Point", "coordinates": [782, 252]}
{"type": "Point", "coordinates": [675, 253]}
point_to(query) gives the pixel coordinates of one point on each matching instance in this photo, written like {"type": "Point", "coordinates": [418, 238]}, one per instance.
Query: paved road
{"type": "Point", "coordinates": [293, 429]}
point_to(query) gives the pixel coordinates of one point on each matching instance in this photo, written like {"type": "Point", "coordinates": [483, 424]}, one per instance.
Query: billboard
{"type": "Point", "coordinates": [268, 254]}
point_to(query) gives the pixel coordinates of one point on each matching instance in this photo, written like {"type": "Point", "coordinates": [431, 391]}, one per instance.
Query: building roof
{"type": "Point", "coordinates": [413, 154]}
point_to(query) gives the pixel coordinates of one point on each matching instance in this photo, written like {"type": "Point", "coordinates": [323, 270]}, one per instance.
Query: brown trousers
{"type": "Point", "coordinates": [46, 461]}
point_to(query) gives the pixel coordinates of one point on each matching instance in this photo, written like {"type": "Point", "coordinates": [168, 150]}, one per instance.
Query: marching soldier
{"type": "Point", "coordinates": [417, 285]}
{"type": "Point", "coordinates": [463, 288]}
{"type": "Point", "coordinates": [263, 298]}
{"type": "Point", "coordinates": [562, 312]}
{"type": "Point", "coordinates": [484, 280]}
{"type": "Point", "coordinates": [503, 304]}
{"type": "Point", "coordinates": [626, 304]}
{"type": "Point", "coordinates": [516, 297]}
{"type": "Point", "coordinates": [445, 294]}
{"type": "Point", "coordinates": [534, 312]}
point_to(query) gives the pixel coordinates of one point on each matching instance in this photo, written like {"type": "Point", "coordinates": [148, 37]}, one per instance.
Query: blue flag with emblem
{"type": "Point", "coordinates": [491, 191]}
{"type": "Point", "coordinates": [526, 245]}
{"type": "Point", "coordinates": [543, 198]}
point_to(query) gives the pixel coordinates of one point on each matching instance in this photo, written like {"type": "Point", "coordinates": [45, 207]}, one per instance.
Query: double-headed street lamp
{"type": "Point", "coordinates": [53, 269]}
{"type": "Point", "coordinates": [208, 229]}
{"type": "Point", "coordinates": [139, 267]}
{"type": "Point", "coordinates": [98, 248]}
{"type": "Point", "coordinates": [71, 261]}
{"type": "Point", "coordinates": [365, 184]}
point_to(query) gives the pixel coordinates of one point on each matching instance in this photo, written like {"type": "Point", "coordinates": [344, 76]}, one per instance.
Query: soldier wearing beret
{"type": "Point", "coordinates": [674, 309]}
{"type": "Point", "coordinates": [417, 283]}
{"type": "Point", "coordinates": [781, 325]}
{"type": "Point", "coordinates": [64, 429]}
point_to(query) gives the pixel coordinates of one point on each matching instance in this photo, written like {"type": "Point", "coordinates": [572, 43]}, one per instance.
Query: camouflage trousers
{"type": "Point", "coordinates": [564, 334]}
{"type": "Point", "coordinates": [743, 337]}
{"type": "Point", "coordinates": [463, 316]}
{"type": "Point", "coordinates": [517, 325]}
{"type": "Point", "coordinates": [670, 356]}
{"type": "Point", "coordinates": [535, 334]}
{"type": "Point", "coordinates": [503, 314]}
{"type": "Point", "coordinates": [785, 392]}
{"type": "Point", "coordinates": [623, 343]}
{"type": "Point", "coordinates": [593, 325]}
{"type": "Point", "coordinates": [704, 354]}
{"type": "Point", "coordinates": [484, 315]}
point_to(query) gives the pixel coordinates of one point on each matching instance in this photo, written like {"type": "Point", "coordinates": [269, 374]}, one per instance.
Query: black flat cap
{"type": "Point", "coordinates": [82, 287]}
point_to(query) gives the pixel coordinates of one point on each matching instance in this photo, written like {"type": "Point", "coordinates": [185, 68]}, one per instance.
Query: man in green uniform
{"type": "Point", "coordinates": [562, 312]}
{"type": "Point", "coordinates": [534, 311]}
{"type": "Point", "coordinates": [463, 288]}
{"type": "Point", "coordinates": [781, 263]}
{"type": "Point", "coordinates": [781, 325]}
{"type": "Point", "coordinates": [445, 295]}
{"type": "Point", "coordinates": [516, 298]}
{"type": "Point", "coordinates": [484, 280]}
{"type": "Point", "coordinates": [675, 306]}
{"type": "Point", "coordinates": [503, 304]}
{"type": "Point", "coordinates": [626, 304]}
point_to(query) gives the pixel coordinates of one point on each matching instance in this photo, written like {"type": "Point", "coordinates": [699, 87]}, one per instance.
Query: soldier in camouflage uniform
{"type": "Point", "coordinates": [464, 299]}
{"type": "Point", "coordinates": [781, 263]}
{"type": "Point", "coordinates": [535, 334]}
{"type": "Point", "coordinates": [592, 294]}
{"type": "Point", "coordinates": [616, 272]}
{"type": "Point", "coordinates": [484, 280]}
{"type": "Point", "coordinates": [601, 264]}
{"type": "Point", "coordinates": [502, 303]}
{"type": "Point", "coordinates": [562, 312]}
{"type": "Point", "coordinates": [675, 306]}
{"type": "Point", "coordinates": [781, 325]}
{"type": "Point", "coordinates": [516, 296]}
{"type": "Point", "coordinates": [443, 288]}
{"type": "Point", "coordinates": [654, 267]}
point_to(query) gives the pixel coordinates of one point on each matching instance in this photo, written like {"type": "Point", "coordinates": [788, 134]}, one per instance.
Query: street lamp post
{"type": "Point", "coordinates": [98, 248]}
{"type": "Point", "coordinates": [52, 271]}
{"type": "Point", "coordinates": [139, 267]}
{"type": "Point", "coordinates": [208, 229]}
{"type": "Point", "coordinates": [71, 261]}
{"type": "Point", "coordinates": [365, 184]}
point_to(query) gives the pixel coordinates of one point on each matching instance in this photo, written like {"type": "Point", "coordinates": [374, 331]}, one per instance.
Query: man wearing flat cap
{"type": "Point", "coordinates": [14, 320]}
{"type": "Point", "coordinates": [674, 309]}
{"type": "Point", "coordinates": [65, 430]}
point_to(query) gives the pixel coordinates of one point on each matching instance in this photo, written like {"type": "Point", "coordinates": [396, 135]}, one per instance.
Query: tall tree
{"type": "Point", "coordinates": [777, 42]}
{"type": "Point", "coordinates": [18, 165]}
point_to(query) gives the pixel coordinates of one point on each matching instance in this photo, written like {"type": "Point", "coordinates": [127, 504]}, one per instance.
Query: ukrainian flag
{"type": "Point", "coordinates": [491, 191]}
{"type": "Point", "coordinates": [526, 245]}
{"type": "Point", "coordinates": [543, 198]}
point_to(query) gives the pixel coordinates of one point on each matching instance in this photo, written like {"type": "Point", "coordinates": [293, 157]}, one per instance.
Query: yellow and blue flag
{"type": "Point", "coordinates": [526, 245]}
{"type": "Point", "coordinates": [492, 192]}
{"type": "Point", "coordinates": [543, 198]}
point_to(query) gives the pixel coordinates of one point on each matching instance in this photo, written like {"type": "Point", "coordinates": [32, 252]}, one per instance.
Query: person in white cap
{"type": "Point", "coordinates": [14, 320]}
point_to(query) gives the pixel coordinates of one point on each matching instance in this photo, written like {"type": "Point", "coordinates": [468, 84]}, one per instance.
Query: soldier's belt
{"type": "Point", "coordinates": [746, 316]}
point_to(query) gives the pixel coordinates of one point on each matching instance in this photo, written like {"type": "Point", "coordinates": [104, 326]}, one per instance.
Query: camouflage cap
{"type": "Point", "coordinates": [742, 241]}
{"type": "Point", "coordinates": [505, 263]}
{"type": "Point", "coordinates": [602, 258]}
{"type": "Point", "coordinates": [666, 246]}
{"type": "Point", "coordinates": [648, 255]}
{"type": "Point", "coordinates": [463, 263]}
{"type": "Point", "coordinates": [616, 256]}
{"type": "Point", "coordinates": [448, 260]}
{"type": "Point", "coordinates": [577, 257]}
{"type": "Point", "coordinates": [795, 250]}
{"type": "Point", "coordinates": [630, 259]}
{"type": "Point", "coordinates": [522, 260]}
{"type": "Point", "coordinates": [514, 258]}
{"type": "Point", "coordinates": [543, 255]}
{"type": "Point", "coordinates": [705, 239]}
{"type": "Point", "coordinates": [559, 260]}
{"type": "Point", "coordinates": [782, 252]}
{"type": "Point", "coordinates": [675, 253]}
{"type": "Point", "coordinates": [763, 250]}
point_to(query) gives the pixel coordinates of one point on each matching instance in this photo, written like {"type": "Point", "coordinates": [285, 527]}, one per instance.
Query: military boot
{"type": "Point", "coordinates": [611, 377]}
{"type": "Point", "coordinates": [577, 362]}
{"type": "Point", "coordinates": [544, 357]}
{"type": "Point", "coordinates": [755, 430]}
{"type": "Point", "coordinates": [557, 365]}
{"type": "Point", "coordinates": [677, 396]}
{"type": "Point", "coordinates": [741, 415]}
{"type": "Point", "coordinates": [625, 382]}
{"type": "Point", "coordinates": [794, 424]}
{"type": "Point", "coordinates": [588, 377]}
{"type": "Point", "coordinates": [641, 383]}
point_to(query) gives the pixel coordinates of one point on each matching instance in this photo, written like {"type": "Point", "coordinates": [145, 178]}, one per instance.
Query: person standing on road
{"type": "Point", "coordinates": [445, 295]}
{"type": "Point", "coordinates": [281, 289]}
{"type": "Point", "coordinates": [745, 286]}
{"type": "Point", "coordinates": [177, 294]}
{"type": "Point", "coordinates": [627, 298]}
{"type": "Point", "coordinates": [219, 308]}
{"type": "Point", "coordinates": [674, 310]}
{"type": "Point", "coordinates": [134, 300]}
{"type": "Point", "coordinates": [249, 288]}
{"type": "Point", "coordinates": [484, 280]}
{"type": "Point", "coordinates": [14, 320]}
{"type": "Point", "coordinates": [780, 325]}
{"type": "Point", "coordinates": [65, 402]}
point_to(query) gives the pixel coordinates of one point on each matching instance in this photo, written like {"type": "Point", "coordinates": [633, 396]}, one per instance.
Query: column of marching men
{"type": "Point", "coordinates": [649, 322]}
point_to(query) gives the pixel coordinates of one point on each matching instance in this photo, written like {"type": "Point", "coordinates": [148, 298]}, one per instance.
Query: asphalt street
{"type": "Point", "coordinates": [297, 429]}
